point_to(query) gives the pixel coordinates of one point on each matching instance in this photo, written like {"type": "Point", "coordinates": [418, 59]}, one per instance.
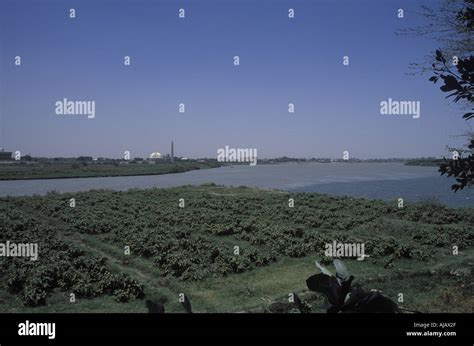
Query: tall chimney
{"type": "Point", "coordinates": [172, 152]}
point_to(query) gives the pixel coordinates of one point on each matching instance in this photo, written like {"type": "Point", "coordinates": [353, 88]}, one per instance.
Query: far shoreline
{"type": "Point", "coordinates": [18, 172]}
{"type": "Point", "coordinates": [47, 168]}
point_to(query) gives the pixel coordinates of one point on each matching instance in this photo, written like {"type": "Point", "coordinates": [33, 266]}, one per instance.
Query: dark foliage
{"type": "Point", "coordinates": [302, 306]}
{"type": "Point", "coordinates": [345, 298]}
{"type": "Point", "coordinates": [155, 307]}
{"type": "Point", "coordinates": [462, 169]}
{"type": "Point", "coordinates": [187, 305]}
{"type": "Point", "coordinates": [466, 16]}
{"type": "Point", "coordinates": [297, 305]}
{"type": "Point", "coordinates": [460, 85]}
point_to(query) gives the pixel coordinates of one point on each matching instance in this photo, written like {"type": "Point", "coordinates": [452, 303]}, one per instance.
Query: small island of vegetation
{"type": "Point", "coordinates": [86, 167]}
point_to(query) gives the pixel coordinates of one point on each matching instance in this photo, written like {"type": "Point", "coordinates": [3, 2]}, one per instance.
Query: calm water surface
{"type": "Point", "coordinates": [386, 181]}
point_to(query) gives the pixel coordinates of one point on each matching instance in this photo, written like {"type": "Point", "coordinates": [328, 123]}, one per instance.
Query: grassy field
{"type": "Point", "coordinates": [190, 250]}
{"type": "Point", "coordinates": [78, 170]}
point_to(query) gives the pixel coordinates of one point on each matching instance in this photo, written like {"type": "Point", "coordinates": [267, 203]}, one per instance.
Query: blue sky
{"type": "Point", "coordinates": [190, 60]}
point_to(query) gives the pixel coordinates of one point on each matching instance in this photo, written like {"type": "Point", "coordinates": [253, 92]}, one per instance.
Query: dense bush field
{"type": "Point", "coordinates": [59, 266]}
{"type": "Point", "coordinates": [197, 241]}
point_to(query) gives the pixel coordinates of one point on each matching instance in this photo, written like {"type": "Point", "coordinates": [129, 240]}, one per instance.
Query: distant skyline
{"type": "Point", "coordinates": [191, 60]}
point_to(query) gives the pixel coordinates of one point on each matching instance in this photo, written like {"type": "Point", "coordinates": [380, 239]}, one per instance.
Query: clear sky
{"type": "Point", "coordinates": [190, 61]}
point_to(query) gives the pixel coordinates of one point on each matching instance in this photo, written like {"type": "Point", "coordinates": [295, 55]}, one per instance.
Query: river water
{"type": "Point", "coordinates": [387, 181]}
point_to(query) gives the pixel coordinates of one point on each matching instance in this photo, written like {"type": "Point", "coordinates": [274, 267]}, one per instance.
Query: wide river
{"type": "Point", "coordinates": [386, 181]}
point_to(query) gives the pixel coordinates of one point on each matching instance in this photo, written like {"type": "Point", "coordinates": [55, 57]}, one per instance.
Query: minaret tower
{"type": "Point", "coordinates": [172, 152]}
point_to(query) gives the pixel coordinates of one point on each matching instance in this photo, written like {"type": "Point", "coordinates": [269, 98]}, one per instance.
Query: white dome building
{"type": "Point", "coordinates": [155, 155]}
